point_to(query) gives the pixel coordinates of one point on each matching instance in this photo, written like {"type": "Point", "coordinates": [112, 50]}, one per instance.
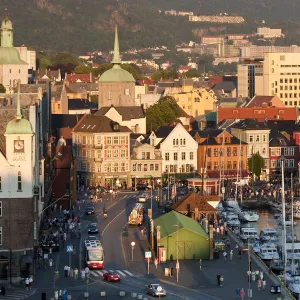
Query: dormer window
{"type": "Point", "coordinates": [116, 126]}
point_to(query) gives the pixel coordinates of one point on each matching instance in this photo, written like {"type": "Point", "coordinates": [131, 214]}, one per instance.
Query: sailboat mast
{"type": "Point", "coordinates": [283, 220]}
{"type": "Point", "coordinates": [292, 199]}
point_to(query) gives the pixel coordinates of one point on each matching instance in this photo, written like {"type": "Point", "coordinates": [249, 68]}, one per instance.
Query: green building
{"type": "Point", "coordinates": [181, 234]}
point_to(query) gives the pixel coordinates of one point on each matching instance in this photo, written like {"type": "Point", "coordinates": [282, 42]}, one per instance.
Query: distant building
{"type": "Point", "coordinates": [29, 56]}
{"type": "Point", "coordinates": [269, 33]}
{"type": "Point", "coordinates": [116, 86]}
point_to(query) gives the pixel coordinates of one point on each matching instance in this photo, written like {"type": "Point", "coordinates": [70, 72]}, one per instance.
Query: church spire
{"type": "Point", "coordinates": [6, 31]}
{"type": "Point", "coordinates": [6, 14]}
{"type": "Point", "coordinates": [19, 115]}
{"type": "Point", "coordinates": [116, 60]}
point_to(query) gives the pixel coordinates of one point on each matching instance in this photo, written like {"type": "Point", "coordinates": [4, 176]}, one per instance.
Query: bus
{"type": "Point", "coordinates": [136, 216]}
{"type": "Point", "coordinates": [94, 254]}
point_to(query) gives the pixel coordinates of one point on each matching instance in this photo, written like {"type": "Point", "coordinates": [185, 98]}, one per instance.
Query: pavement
{"type": "Point", "coordinates": [116, 238]}
{"type": "Point", "coordinates": [17, 293]}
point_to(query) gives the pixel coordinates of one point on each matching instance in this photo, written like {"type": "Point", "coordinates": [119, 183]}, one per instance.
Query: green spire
{"type": "Point", "coordinates": [116, 60]}
{"type": "Point", "coordinates": [6, 31]}
{"type": "Point", "coordinates": [19, 115]}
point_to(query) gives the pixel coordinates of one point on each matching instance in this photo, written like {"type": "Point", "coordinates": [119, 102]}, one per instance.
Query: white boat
{"type": "Point", "coordinates": [268, 252]}
{"type": "Point", "coordinates": [268, 234]}
{"type": "Point", "coordinates": [248, 233]}
{"type": "Point", "coordinates": [287, 222]}
{"type": "Point", "coordinates": [248, 216]}
{"type": "Point", "coordinates": [293, 250]}
{"type": "Point", "coordinates": [294, 285]}
{"type": "Point", "coordinates": [232, 220]}
{"type": "Point", "coordinates": [255, 247]}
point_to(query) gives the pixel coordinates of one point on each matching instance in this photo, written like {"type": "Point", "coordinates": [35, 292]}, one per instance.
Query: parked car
{"type": "Point", "coordinates": [90, 210]}
{"type": "Point", "coordinates": [111, 276]}
{"type": "Point", "coordinates": [155, 290]}
{"type": "Point", "coordinates": [92, 228]}
{"type": "Point", "coordinates": [275, 289]}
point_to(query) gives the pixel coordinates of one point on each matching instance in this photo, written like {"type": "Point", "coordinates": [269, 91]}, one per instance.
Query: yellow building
{"type": "Point", "coordinates": [195, 101]}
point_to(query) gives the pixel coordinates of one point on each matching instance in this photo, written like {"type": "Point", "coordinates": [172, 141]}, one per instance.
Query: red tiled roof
{"type": "Point", "coordinates": [86, 78]}
{"type": "Point", "coordinates": [259, 101]}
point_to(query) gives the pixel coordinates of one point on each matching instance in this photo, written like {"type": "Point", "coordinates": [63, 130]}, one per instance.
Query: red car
{"type": "Point", "coordinates": [111, 276]}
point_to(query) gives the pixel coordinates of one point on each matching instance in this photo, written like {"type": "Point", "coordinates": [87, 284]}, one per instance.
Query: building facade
{"type": "Point", "coordinates": [146, 165]}
{"type": "Point", "coordinates": [102, 149]}
{"type": "Point", "coordinates": [116, 86]}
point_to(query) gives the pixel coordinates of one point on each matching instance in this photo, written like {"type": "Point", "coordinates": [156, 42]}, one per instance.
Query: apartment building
{"type": "Point", "coordinates": [281, 77]}
{"type": "Point", "coordinates": [269, 33]}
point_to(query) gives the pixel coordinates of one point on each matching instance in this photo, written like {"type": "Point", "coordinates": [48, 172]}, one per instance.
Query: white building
{"type": "Point", "coordinates": [12, 67]}
{"type": "Point", "coordinates": [256, 135]}
{"type": "Point", "coordinates": [178, 148]}
{"type": "Point", "coordinates": [133, 117]}
{"type": "Point", "coordinates": [269, 33]}
{"type": "Point", "coordinates": [281, 77]}
{"type": "Point", "coordinates": [29, 56]}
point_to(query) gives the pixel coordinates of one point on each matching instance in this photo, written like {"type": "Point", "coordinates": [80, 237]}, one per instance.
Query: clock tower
{"type": "Point", "coordinates": [19, 144]}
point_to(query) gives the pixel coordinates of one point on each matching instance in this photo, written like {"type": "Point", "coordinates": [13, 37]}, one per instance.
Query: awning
{"type": "Point", "coordinates": [26, 259]}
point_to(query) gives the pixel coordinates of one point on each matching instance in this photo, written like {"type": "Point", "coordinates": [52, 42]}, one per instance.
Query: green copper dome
{"type": "Point", "coordinates": [10, 56]}
{"type": "Point", "coordinates": [116, 73]}
{"type": "Point", "coordinates": [18, 125]}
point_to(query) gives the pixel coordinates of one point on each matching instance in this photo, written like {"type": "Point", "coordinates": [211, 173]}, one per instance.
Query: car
{"type": "Point", "coordinates": [275, 289]}
{"type": "Point", "coordinates": [111, 276]}
{"type": "Point", "coordinates": [92, 228]}
{"type": "Point", "coordinates": [155, 290]}
{"type": "Point", "coordinates": [93, 238]}
{"type": "Point", "coordinates": [90, 210]}
{"type": "Point", "coordinates": [141, 187]}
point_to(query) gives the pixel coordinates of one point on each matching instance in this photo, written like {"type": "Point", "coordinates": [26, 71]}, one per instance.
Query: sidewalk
{"type": "Point", "coordinates": [17, 293]}
{"type": "Point", "coordinates": [190, 275]}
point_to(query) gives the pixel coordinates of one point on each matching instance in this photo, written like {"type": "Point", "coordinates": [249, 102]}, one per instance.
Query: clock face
{"type": "Point", "coordinates": [19, 146]}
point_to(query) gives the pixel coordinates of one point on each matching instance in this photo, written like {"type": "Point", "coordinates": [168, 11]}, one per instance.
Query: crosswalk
{"type": "Point", "coordinates": [17, 294]}
{"type": "Point", "coordinates": [122, 273]}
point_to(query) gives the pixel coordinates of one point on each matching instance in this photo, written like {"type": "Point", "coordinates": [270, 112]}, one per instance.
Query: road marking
{"type": "Point", "coordinates": [112, 221]}
{"type": "Point", "coordinates": [100, 272]}
{"type": "Point", "coordinates": [120, 272]}
{"type": "Point", "coordinates": [128, 273]}
{"type": "Point", "coordinates": [111, 271]}
{"type": "Point", "coordinates": [104, 271]}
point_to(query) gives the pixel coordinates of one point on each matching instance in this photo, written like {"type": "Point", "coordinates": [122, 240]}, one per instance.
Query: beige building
{"type": "Point", "coordinates": [102, 150]}
{"type": "Point", "coordinates": [116, 86]}
{"type": "Point", "coordinates": [194, 101]}
{"type": "Point", "coordinates": [269, 33]}
{"type": "Point", "coordinates": [146, 163]}
{"type": "Point", "coordinates": [281, 77]}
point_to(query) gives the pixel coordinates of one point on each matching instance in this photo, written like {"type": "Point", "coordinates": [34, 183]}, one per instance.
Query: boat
{"type": "Point", "coordinates": [294, 285]}
{"type": "Point", "coordinates": [287, 222]}
{"type": "Point", "coordinates": [268, 234]}
{"type": "Point", "coordinates": [248, 233]}
{"type": "Point", "coordinates": [293, 250]}
{"type": "Point", "coordinates": [268, 252]}
{"type": "Point", "coordinates": [255, 246]}
{"type": "Point", "coordinates": [248, 216]}
{"type": "Point", "coordinates": [232, 220]}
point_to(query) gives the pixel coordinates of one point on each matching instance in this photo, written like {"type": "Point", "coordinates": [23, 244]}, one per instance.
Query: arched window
{"type": "Point", "coordinates": [19, 181]}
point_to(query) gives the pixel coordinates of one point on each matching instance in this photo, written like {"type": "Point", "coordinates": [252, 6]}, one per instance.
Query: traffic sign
{"type": "Point", "coordinates": [148, 254]}
{"type": "Point", "coordinates": [70, 248]}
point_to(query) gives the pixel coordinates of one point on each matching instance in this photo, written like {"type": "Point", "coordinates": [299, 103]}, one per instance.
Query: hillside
{"type": "Point", "coordinates": [85, 25]}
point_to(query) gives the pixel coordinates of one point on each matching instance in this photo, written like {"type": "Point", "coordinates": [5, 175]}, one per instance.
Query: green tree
{"type": "Point", "coordinates": [101, 69]}
{"type": "Point", "coordinates": [192, 73]}
{"type": "Point", "coordinates": [256, 163]}
{"type": "Point", "coordinates": [43, 62]}
{"type": "Point", "coordinates": [65, 61]}
{"type": "Point", "coordinates": [83, 69]}
{"type": "Point", "coordinates": [2, 88]}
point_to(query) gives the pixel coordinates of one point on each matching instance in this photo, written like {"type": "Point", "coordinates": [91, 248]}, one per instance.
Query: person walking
{"type": "Point", "coordinates": [264, 284]}
{"type": "Point", "coordinates": [231, 254]}
{"type": "Point", "coordinates": [82, 274]}
{"type": "Point", "coordinates": [225, 255]}
{"type": "Point", "coordinates": [71, 273]}
{"type": "Point", "coordinates": [242, 294]}
{"type": "Point", "coordinates": [261, 275]}
{"type": "Point", "coordinates": [27, 283]}
{"type": "Point", "coordinates": [87, 271]}
{"type": "Point", "coordinates": [30, 282]}
{"type": "Point", "coordinates": [50, 263]}
{"type": "Point", "coordinates": [218, 279]}
{"type": "Point", "coordinates": [66, 270]}
{"type": "Point", "coordinates": [240, 253]}
{"type": "Point", "coordinates": [75, 274]}
{"type": "Point", "coordinates": [237, 293]}
{"type": "Point", "coordinates": [258, 284]}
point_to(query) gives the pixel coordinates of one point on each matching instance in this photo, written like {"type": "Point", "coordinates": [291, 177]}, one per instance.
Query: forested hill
{"type": "Point", "coordinates": [86, 25]}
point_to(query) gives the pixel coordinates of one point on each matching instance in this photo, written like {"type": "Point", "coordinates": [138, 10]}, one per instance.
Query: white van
{"type": "Point", "coordinates": [248, 233]}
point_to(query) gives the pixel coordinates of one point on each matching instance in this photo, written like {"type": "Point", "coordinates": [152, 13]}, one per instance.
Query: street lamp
{"type": "Point", "coordinates": [177, 262]}
{"type": "Point", "coordinates": [132, 248]}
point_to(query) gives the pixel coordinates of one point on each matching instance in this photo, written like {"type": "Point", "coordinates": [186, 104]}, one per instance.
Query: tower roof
{"type": "Point", "coordinates": [18, 125]}
{"type": "Point", "coordinates": [116, 73]}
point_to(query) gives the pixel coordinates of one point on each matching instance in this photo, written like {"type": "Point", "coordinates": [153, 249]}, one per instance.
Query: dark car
{"type": "Point", "coordinates": [111, 276]}
{"type": "Point", "coordinates": [93, 228]}
{"type": "Point", "coordinates": [275, 289]}
{"type": "Point", "coordinates": [142, 187]}
{"type": "Point", "coordinates": [90, 210]}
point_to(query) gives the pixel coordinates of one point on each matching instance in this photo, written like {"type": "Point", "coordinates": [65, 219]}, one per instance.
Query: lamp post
{"type": "Point", "coordinates": [158, 195]}
{"type": "Point", "coordinates": [177, 261]}
{"type": "Point", "coordinates": [132, 248]}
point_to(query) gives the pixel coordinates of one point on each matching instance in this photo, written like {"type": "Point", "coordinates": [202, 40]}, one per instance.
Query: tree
{"type": "Point", "coordinates": [101, 69]}
{"type": "Point", "coordinates": [192, 73]}
{"type": "Point", "coordinates": [43, 62]}
{"type": "Point", "coordinates": [2, 89]}
{"type": "Point", "coordinates": [83, 69]}
{"type": "Point", "coordinates": [256, 163]}
{"type": "Point", "coordinates": [65, 61]}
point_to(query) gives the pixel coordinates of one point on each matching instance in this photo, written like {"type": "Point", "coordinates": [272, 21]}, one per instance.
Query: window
{"type": "Point", "coordinates": [156, 167]}
{"type": "Point", "coordinates": [183, 155]}
{"type": "Point", "coordinates": [148, 155]}
{"type": "Point", "coordinates": [264, 137]}
{"type": "Point", "coordinates": [19, 182]}
{"type": "Point", "coordinates": [228, 151]}
{"type": "Point", "coordinates": [115, 153]}
{"type": "Point", "coordinates": [228, 165]}
{"type": "Point", "coordinates": [109, 95]}
{"type": "Point", "coordinates": [197, 100]}
{"type": "Point", "coordinates": [123, 153]}
{"type": "Point", "coordinates": [191, 155]}
{"type": "Point", "coordinates": [109, 153]}
{"type": "Point", "coordinates": [116, 140]}
{"type": "Point", "coordinates": [122, 140]}
{"type": "Point", "coordinates": [264, 151]}
{"type": "Point", "coordinates": [122, 167]}
{"type": "Point", "coordinates": [183, 142]}
{"type": "Point", "coordinates": [234, 152]}
{"type": "Point", "coordinates": [174, 142]}
{"type": "Point", "coordinates": [175, 156]}
{"type": "Point", "coordinates": [288, 151]}
{"type": "Point", "coordinates": [215, 152]}
{"type": "Point", "coordinates": [167, 156]}
{"type": "Point", "coordinates": [58, 106]}
{"type": "Point", "coordinates": [257, 139]}
{"type": "Point", "coordinates": [234, 165]}
{"type": "Point", "coordinates": [116, 167]}
{"type": "Point", "coordinates": [139, 167]}
{"type": "Point", "coordinates": [134, 167]}
{"type": "Point", "coordinates": [151, 167]}
{"type": "Point", "coordinates": [108, 140]}
{"type": "Point", "coordinates": [291, 163]}
{"type": "Point", "coordinates": [208, 165]}
{"type": "Point", "coordinates": [127, 92]}
{"type": "Point", "coordinates": [143, 155]}
{"type": "Point", "coordinates": [145, 167]}
{"type": "Point", "coordinates": [273, 163]}
{"type": "Point", "coordinates": [209, 152]}
{"type": "Point", "coordinates": [216, 165]}
{"type": "Point", "coordinates": [251, 138]}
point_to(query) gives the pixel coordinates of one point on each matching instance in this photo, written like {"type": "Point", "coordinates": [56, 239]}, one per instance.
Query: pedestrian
{"type": "Point", "coordinates": [264, 284]}
{"type": "Point", "coordinates": [69, 269]}
{"type": "Point", "coordinates": [261, 275]}
{"type": "Point", "coordinates": [242, 294]}
{"type": "Point", "coordinates": [50, 263]}
{"type": "Point", "coordinates": [231, 254]}
{"type": "Point", "coordinates": [71, 273]}
{"type": "Point", "coordinates": [221, 279]}
{"type": "Point", "coordinates": [60, 208]}
{"type": "Point", "coordinates": [27, 283]}
{"type": "Point", "coordinates": [240, 253]}
{"type": "Point", "coordinates": [65, 236]}
{"type": "Point", "coordinates": [218, 279]}
{"type": "Point", "coordinates": [87, 271]}
{"type": "Point", "coordinates": [257, 275]}
{"type": "Point", "coordinates": [218, 231]}
{"type": "Point", "coordinates": [237, 248]}
{"type": "Point", "coordinates": [225, 255]}
{"type": "Point", "coordinates": [258, 284]}
{"type": "Point", "coordinates": [66, 270]}
{"type": "Point", "coordinates": [253, 276]}
{"type": "Point", "coordinates": [82, 274]}
{"type": "Point", "coordinates": [75, 274]}
{"type": "Point", "coordinates": [237, 293]}
{"type": "Point", "coordinates": [56, 294]}
{"type": "Point", "coordinates": [30, 282]}
{"type": "Point", "coordinates": [55, 206]}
